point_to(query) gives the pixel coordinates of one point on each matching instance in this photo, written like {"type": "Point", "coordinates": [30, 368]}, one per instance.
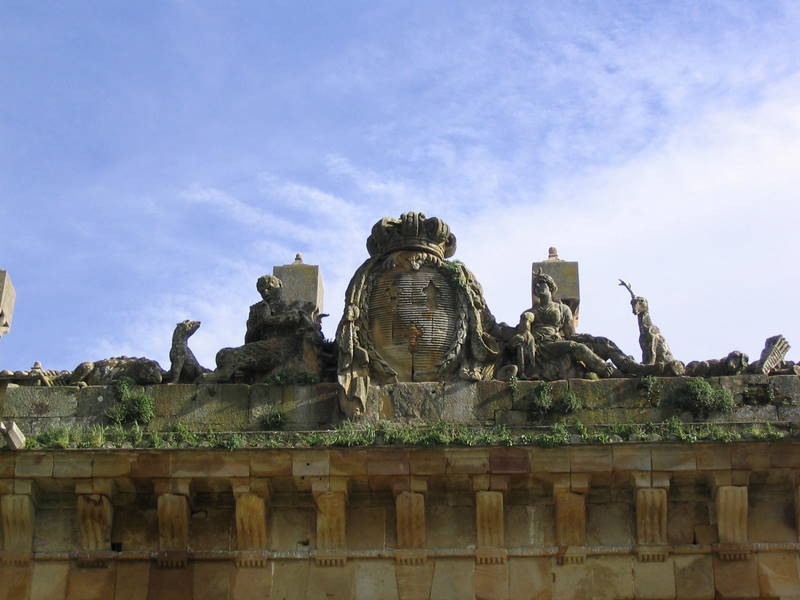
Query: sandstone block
{"type": "Point", "coordinates": [612, 577]}
{"type": "Point", "coordinates": [331, 583]}
{"type": "Point", "coordinates": [694, 577]}
{"type": "Point", "coordinates": [251, 584]}
{"type": "Point", "coordinates": [72, 465]}
{"type": "Point", "coordinates": [348, 462]}
{"type": "Point", "coordinates": [736, 579]}
{"type": "Point", "coordinates": [111, 465]}
{"type": "Point", "coordinates": [654, 580]}
{"type": "Point", "coordinates": [212, 463]}
{"type": "Point", "coordinates": [171, 584]}
{"type": "Point", "coordinates": [271, 463]}
{"type": "Point", "coordinates": [211, 580]}
{"type": "Point", "coordinates": [388, 462]}
{"type": "Point", "coordinates": [572, 582]}
{"type": "Point", "coordinates": [16, 582]}
{"type": "Point", "coordinates": [150, 465]}
{"type": "Point", "coordinates": [460, 403]}
{"type": "Point", "coordinates": [673, 458]}
{"type": "Point", "coordinates": [509, 460]}
{"type": "Point", "coordinates": [751, 456]}
{"type": "Point", "coordinates": [491, 582]}
{"type": "Point", "coordinates": [530, 578]}
{"type": "Point", "coordinates": [34, 465]}
{"type": "Point", "coordinates": [427, 462]}
{"type": "Point", "coordinates": [375, 580]}
{"type": "Point", "coordinates": [631, 458]}
{"type": "Point", "coordinates": [417, 401]}
{"type": "Point", "coordinates": [414, 581]}
{"type": "Point", "coordinates": [310, 463]}
{"type": "Point", "coordinates": [453, 579]}
{"type": "Point", "coordinates": [91, 584]}
{"type": "Point", "coordinates": [133, 578]}
{"type": "Point", "coordinates": [589, 459]}
{"type": "Point", "coordinates": [40, 402]}
{"type": "Point", "coordinates": [778, 574]}
{"type": "Point", "coordinates": [493, 396]}
{"type": "Point", "coordinates": [49, 581]}
{"type": "Point", "coordinates": [712, 457]}
{"type": "Point", "coordinates": [549, 460]}
{"type": "Point", "coordinates": [467, 460]}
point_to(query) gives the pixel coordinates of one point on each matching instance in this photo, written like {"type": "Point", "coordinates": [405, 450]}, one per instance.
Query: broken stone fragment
{"type": "Point", "coordinates": [14, 437]}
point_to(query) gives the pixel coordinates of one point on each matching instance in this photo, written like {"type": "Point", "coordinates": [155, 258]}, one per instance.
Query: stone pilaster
{"type": "Point", "coordinates": [173, 522]}
{"type": "Point", "coordinates": [95, 513]}
{"type": "Point", "coordinates": [251, 521]}
{"type": "Point", "coordinates": [18, 513]}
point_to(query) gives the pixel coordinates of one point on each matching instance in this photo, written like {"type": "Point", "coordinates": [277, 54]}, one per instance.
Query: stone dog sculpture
{"type": "Point", "coordinates": [184, 367]}
{"type": "Point", "coordinates": [651, 340]}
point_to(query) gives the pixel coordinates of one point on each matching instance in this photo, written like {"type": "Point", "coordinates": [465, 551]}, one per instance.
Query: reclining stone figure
{"type": "Point", "coordinates": [278, 338]}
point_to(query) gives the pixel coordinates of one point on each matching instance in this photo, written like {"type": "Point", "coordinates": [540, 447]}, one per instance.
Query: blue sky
{"type": "Point", "coordinates": [157, 157]}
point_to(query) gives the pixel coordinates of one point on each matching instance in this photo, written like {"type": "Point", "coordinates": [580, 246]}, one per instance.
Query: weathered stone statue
{"type": "Point", "coordinates": [410, 314]}
{"type": "Point", "coordinates": [651, 340]}
{"type": "Point", "coordinates": [775, 350]}
{"type": "Point", "coordinates": [735, 363]}
{"type": "Point", "coordinates": [143, 371]}
{"type": "Point", "coordinates": [553, 332]}
{"type": "Point", "coordinates": [279, 338]}
{"type": "Point", "coordinates": [184, 367]}
{"type": "Point", "coordinates": [524, 346]}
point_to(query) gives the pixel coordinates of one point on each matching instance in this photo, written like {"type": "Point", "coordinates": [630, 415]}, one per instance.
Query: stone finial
{"type": "Point", "coordinates": [552, 254]}
{"type": "Point", "coordinates": [298, 259]}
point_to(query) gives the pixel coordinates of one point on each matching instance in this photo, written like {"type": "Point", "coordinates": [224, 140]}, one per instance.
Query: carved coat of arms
{"type": "Point", "coordinates": [410, 314]}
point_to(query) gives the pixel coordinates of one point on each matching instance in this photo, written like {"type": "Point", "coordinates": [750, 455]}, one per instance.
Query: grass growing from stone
{"type": "Point", "coordinates": [544, 403]}
{"type": "Point", "coordinates": [386, 433]}
{"type": "Point", "coordinates": [131, 406]}
{"type": "Point", "coordinates": [701, 399]}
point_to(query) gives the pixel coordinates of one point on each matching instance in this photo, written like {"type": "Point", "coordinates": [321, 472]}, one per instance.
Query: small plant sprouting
{"type": "Point", "coordinates": [650, 386]}
{"type": "Point", "coordinates": [701, 399]}
{"type": "Point", "coordinates": [130, 406]}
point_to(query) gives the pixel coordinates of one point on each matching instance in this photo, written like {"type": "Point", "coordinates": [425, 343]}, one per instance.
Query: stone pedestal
{"type": "Point", "coordinates": [565, 274]}
{"type": "Point", "coordinates": [301, 282]}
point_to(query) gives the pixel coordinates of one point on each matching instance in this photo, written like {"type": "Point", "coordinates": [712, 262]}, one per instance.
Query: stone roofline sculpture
{"type": "Point", "coordinates": [412, 315]}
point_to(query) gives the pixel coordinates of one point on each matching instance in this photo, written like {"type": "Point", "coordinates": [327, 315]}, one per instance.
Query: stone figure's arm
{"type": "Point", "coordinates": [567, 324]}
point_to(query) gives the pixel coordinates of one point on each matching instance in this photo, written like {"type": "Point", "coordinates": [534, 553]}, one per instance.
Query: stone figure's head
{"type": "Point", "coordinates": [187, 327]}
{"type": "Point", "coordinates": [269, 287]}
{"type": "Point", "coordinates": [736, 361]}
{"type": "Point", "coordinates": [639, 305]}
{"type": "Point", "coordinates": [544, 283]}
{"type": "Point", "coordinates": [145, 371]}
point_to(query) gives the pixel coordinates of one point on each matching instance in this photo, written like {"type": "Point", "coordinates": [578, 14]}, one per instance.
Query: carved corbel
{"type": "Point", "coordinates": [18, 512]}
{"type": "Point", "coordinates": [251, 521]}
{"type": "Point", "coordinates": [173, 522]}
{"type": "Point", "coordinates": [569, 493]}
{"type": "Point", "coordinates": [410, 521]}
{"type": "Point", "coordinates": [731, 507]}
{"type": "Point", "coordinates": [330, 497]}
{"type": "Point", "coordinates": [95, 513]}
{"type": "Point", "coordinates": [651, 516]}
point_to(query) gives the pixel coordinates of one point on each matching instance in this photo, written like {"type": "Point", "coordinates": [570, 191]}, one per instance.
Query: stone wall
{"type": "Point", "coordinates": [622, 521]}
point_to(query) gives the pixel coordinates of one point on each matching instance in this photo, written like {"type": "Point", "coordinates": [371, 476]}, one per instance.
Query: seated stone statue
{"type": "Point", "coordinates": [279, 338]}
{"type": "Point", "coordinates": [561, 353]}
{"type": "Point", "coordinates": [553, 331]}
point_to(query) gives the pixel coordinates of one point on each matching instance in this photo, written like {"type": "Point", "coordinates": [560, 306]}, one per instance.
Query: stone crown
{"type": "Point", "coordinates": [412, 231]}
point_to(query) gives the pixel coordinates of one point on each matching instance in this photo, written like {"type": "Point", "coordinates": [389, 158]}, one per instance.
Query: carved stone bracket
{"type": "Point", "coordinates": [330, 497]}
{"type": "Point", "coordinates": [18, 513]}
{"type": "Point", "coordinates": [95, 513]}
{"type": "Point", "coordinates": [173, 522]}
{"type": "Point", "coordinates": [490, 527]}
{"type": "Point", "coordinates": [251, 521]}
{"type": "Point", "coordinates": [731, 506]}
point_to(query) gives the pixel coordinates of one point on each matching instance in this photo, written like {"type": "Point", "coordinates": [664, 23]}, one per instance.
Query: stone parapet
{"type": "Point", "coordinates": [235, 407]}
